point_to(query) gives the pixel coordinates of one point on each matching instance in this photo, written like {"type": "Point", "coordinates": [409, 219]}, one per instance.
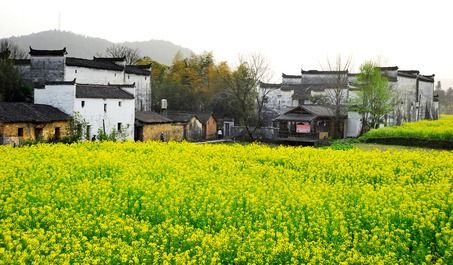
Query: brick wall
{"type": "Point", "coordinates": [9, 131]}
{"type": "Point", "coordinates": [172, 131]}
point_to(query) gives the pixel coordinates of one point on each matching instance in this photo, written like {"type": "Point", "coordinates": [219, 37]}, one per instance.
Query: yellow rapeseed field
{"type": "Point", "coordinates": [182, 203]}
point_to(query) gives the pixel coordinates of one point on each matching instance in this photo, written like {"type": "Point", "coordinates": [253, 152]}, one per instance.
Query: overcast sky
{"type": "Point", "coordinates": [290, 34]}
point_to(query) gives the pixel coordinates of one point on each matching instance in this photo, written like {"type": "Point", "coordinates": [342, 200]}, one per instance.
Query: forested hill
{"type": "Point", "coordinates": [87, 47]}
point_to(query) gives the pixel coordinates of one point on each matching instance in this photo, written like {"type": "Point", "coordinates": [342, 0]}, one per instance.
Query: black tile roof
{"type": "Point", "coordinates": [27, 112]}
{"type": "Point", "coordinates": [150, 117]}
{"type": "Point", "coordinates": [204, 116]}
{"type": "Point", "coordinates": [101, 91]}
{"type": "Point", "coordinates": [109, 59]}
{"type": "Point", "coordinates": [138, 70]}
{"type": "Point", "coordinates": [426, 78]}
{"type": "Point", "coordinates": [389, 68]}
{"type": "Point", "coordinates": [270, 85]}
{"type": "Point", "coordinates": [309, 112]}
{"type": "Point", "coordinates": [34, 52]}
{"type": "Point", "coordinates": [180, 116]}
{"type": "Point", "coordinates": [95, 64]}
{"type": "Point", "coordinates": [122, 85]}
{"type": "Point", "coordinates": [407, 74]}
{"type": "Point", "coordinates": [290, 76]}
{"type": "Point", "coordinates": [316, 72]}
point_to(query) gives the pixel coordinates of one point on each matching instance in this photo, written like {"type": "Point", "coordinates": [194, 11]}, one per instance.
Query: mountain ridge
{"type": "Point", "coordinates": [82, 46]}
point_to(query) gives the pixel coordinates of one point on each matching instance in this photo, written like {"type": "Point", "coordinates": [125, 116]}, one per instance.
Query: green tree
{"type": "Point", "coordinates": [374, 97]}
{"type": "Point", "coordinates": [12, 88]}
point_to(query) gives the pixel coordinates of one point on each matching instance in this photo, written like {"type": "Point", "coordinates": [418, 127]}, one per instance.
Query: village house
{"type": "Point", "coordinates": [209, 123]}
{"type": "Point", "coordinates": [21, 122]}
{"type": "Point", "coordinates": [193, 127]}
{"type": "Point", "coordinates": [150, 125]}
{"type": "Point", "coordinates": [309, 123]}
{"type": "Point", "coordinates": [105, 108]}
{"type": "Point", "coordinates": [53, 65]}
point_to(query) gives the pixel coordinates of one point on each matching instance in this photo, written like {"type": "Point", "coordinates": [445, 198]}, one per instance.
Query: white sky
{"type": "Point", "coordinates": [290, 34]}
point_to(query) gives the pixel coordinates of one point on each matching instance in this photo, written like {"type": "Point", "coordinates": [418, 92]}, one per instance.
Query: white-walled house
{"type": "Point", "coordinates": [53, 65]}
{"type": "Point", "coordinates": [103, 107]}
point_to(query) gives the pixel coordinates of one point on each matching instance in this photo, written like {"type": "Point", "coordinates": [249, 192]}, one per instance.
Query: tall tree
{"type": "Point", "coordinates": [374, 97]}
{"type": "Point", "coordinates": [12, 88]}
{"type": "Point", "coordinates": [119, 51]}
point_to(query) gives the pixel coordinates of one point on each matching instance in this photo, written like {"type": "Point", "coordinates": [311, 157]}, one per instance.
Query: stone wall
{"type": "Point", "coordinates": [172, 131]}
{"type": "Point", "coordinates": [9, 131]}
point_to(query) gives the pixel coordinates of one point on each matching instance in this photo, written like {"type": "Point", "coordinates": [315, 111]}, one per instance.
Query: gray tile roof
{"type": "Point", "coordinates": [150, 117]}
{"type": "Point", "coordinates": [27, 112]}
{"type": "Point", "coordinates": [138, 69]}
{"type": "Point", "coordinates": [101, 91]}
{"type": "Point", "coordinates": [180, 116]}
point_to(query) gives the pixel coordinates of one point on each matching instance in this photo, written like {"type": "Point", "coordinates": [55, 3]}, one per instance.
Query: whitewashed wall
{"type": "Point", "coordinates": [58, 96]}
{"type": "Point", "coordinates": [143, 90]}
{"type": "Point", "coordinates": [353, 124]}
{"type": "Point", "coordinates": [93, 76]}
{"type": "Point", "coordinates": [405, 91]}
{"type": "Point", "coordinates": [278, 100]}
{"type": "Point", "coordinates": [426, 90]}
{"type": "Point", "coordinates": [93, 113]}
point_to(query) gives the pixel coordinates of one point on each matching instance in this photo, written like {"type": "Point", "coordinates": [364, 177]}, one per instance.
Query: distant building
{"type": "Point", "coordinates": [412, 95]}
{"type": "Point", "coordinates": [20, 122]}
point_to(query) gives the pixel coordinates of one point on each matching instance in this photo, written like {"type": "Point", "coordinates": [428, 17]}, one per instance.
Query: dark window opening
{"type": "Point", "coordinates": [75, 71]}
{"type": "Point", "coordinates": [119, 127]}
{"type": "Point", "coordinates": [105, 107]}
{"type": "Point", "coordinates": [38, 133]}
{"type": "Point", "coordinates": [57, 133]}
{"type": "Point", "coordinates": [20, 132]}
{"type": "Point", "coordinates": [119, 103]}
{"type": "Point", "coordinates": [83, 103]}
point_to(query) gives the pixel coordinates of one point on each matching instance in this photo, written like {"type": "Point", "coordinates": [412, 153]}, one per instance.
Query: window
{"type": "Point", "coordinates": [128, 76]}
{"type": "Point", "coordinates": [83, 103]}
{"type": "Point", "coordinates": [119, 103]}
{"type": "Point", "coordinates": [20, 132]}
{"type": "Point", "coordinates": [57, 133]}
{"type": "Point", "coordinates": [114, 74]}
{"type": "Point", "coordinates": [105, 107]}
{"type": "Point", "coordinates": [38, 133]}
{"type": "Point", "coordinates": [119, 127]}
{"type": "Point", "coordinates": [145, 77]}
{"type": "Point", "coordinates": [75, 71]}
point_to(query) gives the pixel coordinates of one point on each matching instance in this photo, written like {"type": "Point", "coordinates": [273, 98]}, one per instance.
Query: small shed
{"type": "Point", "coordinates": [193, 128]}
{"type": "Point", "coordinates": [21, 122]}
{"type": "Point", "coordinates": [149, 125]}
{"type": "Point", "coordinates": [309, 123]}
{"type": "Point", "coordinates": [209, 122]}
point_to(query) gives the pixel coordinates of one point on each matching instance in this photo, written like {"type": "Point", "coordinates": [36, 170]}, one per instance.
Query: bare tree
{"type": "Point", "coordinates": [243, 88]}
{"type": "Point", "coordinates": [337, 92]}
{"type": "Point", "coordinates": [132, 55]}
